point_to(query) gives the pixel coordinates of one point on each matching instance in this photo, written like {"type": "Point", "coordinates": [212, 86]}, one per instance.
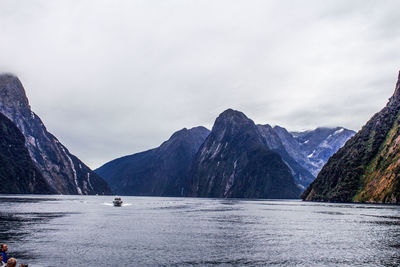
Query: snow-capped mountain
{"type": "Point", "coordinates": [320, 144]}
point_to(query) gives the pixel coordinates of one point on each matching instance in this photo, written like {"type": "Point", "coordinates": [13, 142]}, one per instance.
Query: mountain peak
{"type": "Point", "coordinates": [162, 171]}
{"type": "Point", "coordinates": [64, 172]}
{"type": "Point", "coordinates": [232, 117]}
{"type": "Point", "coordinates": [8, 75]}
{"type": "Point", "coordinates": [231, 113]}
{"type": "Point", "coordinates": [394, 100]}
{"type": "Point", "coordinates": [12, 92]}
{"type": "Point", "coordinates": [200, 130]}
{"type": "Point", "coordinates": [235, 161]}
{"type": "Point", "coordinates": [397, 88]}
{"type": "Point", "coordinates": [230, 122]}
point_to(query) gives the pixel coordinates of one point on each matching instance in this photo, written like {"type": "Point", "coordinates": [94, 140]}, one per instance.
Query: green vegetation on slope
{"type": "Point", "coordinates": [367, 167]}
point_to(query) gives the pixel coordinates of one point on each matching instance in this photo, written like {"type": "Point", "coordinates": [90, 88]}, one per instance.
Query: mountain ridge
{"type": "Point", "coordinates": [160, 171]}
{"type": "Point", "coordinates": [277, 139]}
{"type": "Point", "coordinates": [235, 161]}
{"type": "Point", "coordinates": [64, 172]}
{"type": "Point", "coordinates": [367, 168]}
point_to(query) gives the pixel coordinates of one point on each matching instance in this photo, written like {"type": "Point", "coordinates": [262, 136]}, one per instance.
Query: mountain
{"type": "Point", "coordinates": [292, 147]}
{"type": "Point", "coordinates": [18, 174]}
{"type": "Point", "coordinates": [236, 162]}
{"type": "Point", "coordinates": [367, 168]}
{"type": "Point", "coordinates": [274, 139]}
{"type": "Point", "coordinates": [320, 144]}
{"type": "Point", "coordinates": [162, 171]}
{"type": "Point", "coordinates": [305, 152]}
{"type": "Point", "coordinates": [312, 149]}
{"type": "Point", "coordinates": [63, 172]}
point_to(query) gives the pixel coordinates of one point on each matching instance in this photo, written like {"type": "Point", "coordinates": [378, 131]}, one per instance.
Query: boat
{"type": "Point", "coordinates": [117, 202]}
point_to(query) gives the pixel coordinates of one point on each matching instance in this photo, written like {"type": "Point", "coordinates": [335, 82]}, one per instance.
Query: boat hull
{"type": "Point", "coordinates": [117, 204]}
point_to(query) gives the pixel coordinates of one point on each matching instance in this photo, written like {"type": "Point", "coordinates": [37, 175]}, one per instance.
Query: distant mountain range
{"type": "Point", "coordinates": [306, 152]}
{"type": "Point", "coordinates": [236, 159]}
{"type": "Point", "coordinates": [367, 168]}
{"type": "Point", "coordinates": [162, 171]}
{"type": "Point", "coordinates": [54, 169]}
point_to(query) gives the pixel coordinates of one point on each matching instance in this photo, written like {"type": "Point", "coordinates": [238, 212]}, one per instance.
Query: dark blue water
{"type": "Point", "coordinates": [152, 231]}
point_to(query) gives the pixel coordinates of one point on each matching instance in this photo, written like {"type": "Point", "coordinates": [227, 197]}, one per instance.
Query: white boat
{"type": "Point", "coordinates": [117, 202]}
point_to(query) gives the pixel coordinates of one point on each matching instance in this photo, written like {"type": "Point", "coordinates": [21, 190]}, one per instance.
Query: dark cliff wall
{"type": "Point", "coordinates": [64, 172]}
{"type": "Point", "coordinates": [18, 174]}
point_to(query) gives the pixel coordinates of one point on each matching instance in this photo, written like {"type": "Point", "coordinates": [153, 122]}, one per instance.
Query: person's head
{"type": "Point", "coordinates": [4, 247]}
{"type": "Point", "coordinates": [11, 262]}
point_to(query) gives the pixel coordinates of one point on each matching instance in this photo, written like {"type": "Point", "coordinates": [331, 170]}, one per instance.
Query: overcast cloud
{"type": "Point", "coordinates": [111, 78]}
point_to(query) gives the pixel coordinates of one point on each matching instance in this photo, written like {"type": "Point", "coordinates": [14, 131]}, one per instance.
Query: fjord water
{"type": "Point", "coordinates": [153, 231]}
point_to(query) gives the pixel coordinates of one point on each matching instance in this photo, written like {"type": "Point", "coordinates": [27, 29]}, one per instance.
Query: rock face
{"type": "Point", "coordinates": [274, 141]}
{"type": "Point", "coordinates": [63, 172]}
{"type": "Point", "coordinates": [312, 149]}
{"type": "Point", "coordinates": [162, 171]}
{"type": "Point", "coordinates": [367, 168]}
{"type": "Point", "coordinates": [236, 162]}
{"type": "Point", "coordinates": [320, 144]}
{"type": "Point", "coordinates": [305, 152]}
{"type": "Point", "coordinates": [18, 174]}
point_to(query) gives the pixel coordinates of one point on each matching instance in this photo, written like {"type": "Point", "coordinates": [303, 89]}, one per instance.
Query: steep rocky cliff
{"type": "Point", "coordinates": [302, 175]}
{"type": "Point", "coordinates": [367, 168]}
{"type": "Point", "coordinates": [312, 149]}
{"type": "Point", "coordinates": [305, 152]}
{"type": "Point", "coordinates": [162, 171]}
{"type": "Point", "coordinates": [235, 161]}
{"type": "Point", "coordinates": [18, 174]}
{"type": "Point", "coordinates": [63, 172]}
{"type": "Point", "coordinates": [320, 144]}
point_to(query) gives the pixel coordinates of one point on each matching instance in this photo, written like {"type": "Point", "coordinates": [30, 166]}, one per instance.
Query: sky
{"type": "Point", "coordinates": [112, 78]}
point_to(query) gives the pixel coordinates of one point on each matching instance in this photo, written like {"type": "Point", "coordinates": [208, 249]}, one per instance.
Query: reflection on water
{"type": "Point", "coordinates": [151, 231]}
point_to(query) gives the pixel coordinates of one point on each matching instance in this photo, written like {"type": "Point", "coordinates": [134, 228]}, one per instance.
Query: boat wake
{"type": "Point", "coordinates": [123, 205]}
